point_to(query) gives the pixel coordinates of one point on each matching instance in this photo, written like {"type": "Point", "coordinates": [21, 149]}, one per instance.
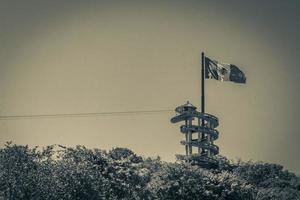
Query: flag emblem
{"type": "Point", "coordinates": [223, 72]}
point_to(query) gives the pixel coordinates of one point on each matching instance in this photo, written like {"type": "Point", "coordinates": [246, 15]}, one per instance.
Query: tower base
{"type": "Point", "coordinates": [202, 161]}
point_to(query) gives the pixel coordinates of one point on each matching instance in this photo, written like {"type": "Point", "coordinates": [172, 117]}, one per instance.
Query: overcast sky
{"type": "Point", "coordinates": [113, 56]}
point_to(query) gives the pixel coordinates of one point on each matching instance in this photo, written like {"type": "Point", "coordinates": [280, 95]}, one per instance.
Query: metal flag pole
{"type": "Point", "coordinates": [202, 100]}
{"type": "Point", "coordinates": [202, 84]}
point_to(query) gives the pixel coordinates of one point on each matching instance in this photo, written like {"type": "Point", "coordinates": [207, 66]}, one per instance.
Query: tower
{"type": "Point", "coordinates": [205, 132]}
{"type": "Point", "coordinates": [206, 123]}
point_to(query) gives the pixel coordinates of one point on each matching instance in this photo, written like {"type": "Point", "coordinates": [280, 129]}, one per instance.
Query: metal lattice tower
{"type": "Point", "coordinates": [205, 131]}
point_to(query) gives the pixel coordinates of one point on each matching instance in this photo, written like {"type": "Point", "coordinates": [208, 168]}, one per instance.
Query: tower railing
{"type": "Point", "coordinates": [206, 135]}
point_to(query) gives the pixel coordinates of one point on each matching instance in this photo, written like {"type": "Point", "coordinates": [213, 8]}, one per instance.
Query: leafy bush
{"type": "Point", "coordinates": [58, 172]}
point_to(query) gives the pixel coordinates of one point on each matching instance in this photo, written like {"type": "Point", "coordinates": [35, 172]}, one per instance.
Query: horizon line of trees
{"type": "Point", "coordinates": [58, 172]}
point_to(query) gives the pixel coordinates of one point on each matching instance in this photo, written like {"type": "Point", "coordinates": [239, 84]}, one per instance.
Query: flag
{"type": "Point", "coordinates": [223, 72]}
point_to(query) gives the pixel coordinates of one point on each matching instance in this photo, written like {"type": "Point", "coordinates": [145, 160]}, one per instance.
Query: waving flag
{"type": "Point", "coordinates": [223, 72]}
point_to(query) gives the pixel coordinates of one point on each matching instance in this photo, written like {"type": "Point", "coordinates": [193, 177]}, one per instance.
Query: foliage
{"type": "Point", "coordinates": [58, 172]}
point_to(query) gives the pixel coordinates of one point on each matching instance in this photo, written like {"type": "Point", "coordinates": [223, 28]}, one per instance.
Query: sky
{"type": "Point", "coordinates": [115, 56]}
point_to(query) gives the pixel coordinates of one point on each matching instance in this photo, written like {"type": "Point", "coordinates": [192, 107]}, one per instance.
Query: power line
{"type": "Point", "coordinates": [95, 114]}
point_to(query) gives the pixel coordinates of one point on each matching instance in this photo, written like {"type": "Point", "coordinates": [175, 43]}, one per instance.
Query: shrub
{"type": "Point", "coordinates": [58, 172]}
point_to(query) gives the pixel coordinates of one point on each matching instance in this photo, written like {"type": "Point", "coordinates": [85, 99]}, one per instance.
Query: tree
{"type": "Point", "coordinates": [58, 172]}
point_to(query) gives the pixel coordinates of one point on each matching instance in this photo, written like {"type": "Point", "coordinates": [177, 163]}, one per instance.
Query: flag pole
{"type": "Point", "coordinates": [202, 84]}
{"type": "Point", "coordinates": [202, 135]}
